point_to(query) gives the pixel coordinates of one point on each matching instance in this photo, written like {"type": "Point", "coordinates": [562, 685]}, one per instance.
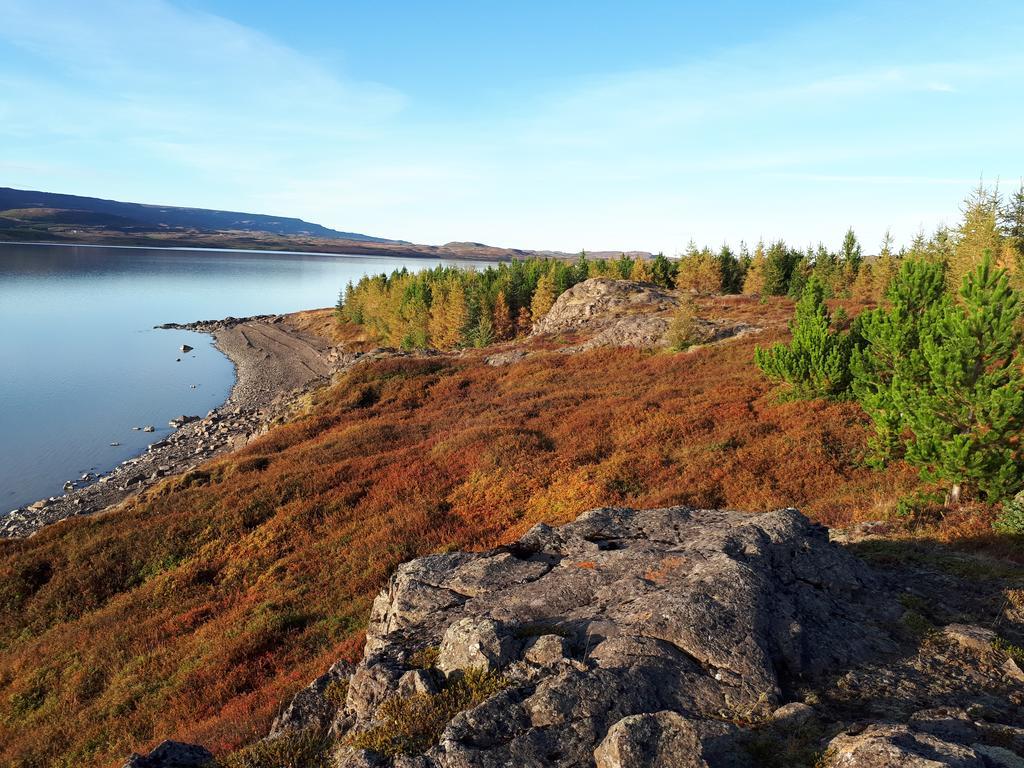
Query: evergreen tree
{"type": "Point", "coordinates": [816, 363]}
{"type": "Point", "coordinates": [798, 278]}
{"type": "Point", "coordinates": [825, 268]}
{"type": "Point", "coordinates": [940, 247]}
{"type": "Point", "coordinates": [731, 271]}
{"type": "Point", "coordinates": [582, 268]}
{"type": "Point", "coordinates": [483, 333]}
{"type": "Point", "coordinates": [623, 266]}
{"type": "Point", "coordinates": [967, 418]}
{"type": "Point", "coordinates": [351, 307]}
{"type": "Point", "coordinates": [851, 254]}
{"type": "Point", "coordinates": [663, 271]}
{"type": "Point", "coordinates": [884, 362]}
{"type": "Point", "coordinates": [779, 263]}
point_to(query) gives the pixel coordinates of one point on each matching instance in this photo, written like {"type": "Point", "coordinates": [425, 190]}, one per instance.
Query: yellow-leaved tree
{"type": "Point", "coordinates": [543, 297]}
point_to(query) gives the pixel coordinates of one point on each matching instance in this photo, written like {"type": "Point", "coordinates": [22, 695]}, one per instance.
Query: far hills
{"type": "Point", "coordinates": [29, 216]}
{"type": "Point", "coordinates": [56, 209]}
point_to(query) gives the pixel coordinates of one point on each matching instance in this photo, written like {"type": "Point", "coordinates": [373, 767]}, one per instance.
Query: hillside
{"type": "Point", "coordinates": [196, 609]}
{"type": "Point", "coordinates": [54, 209]}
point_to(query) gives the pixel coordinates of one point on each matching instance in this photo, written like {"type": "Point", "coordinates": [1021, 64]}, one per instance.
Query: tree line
{"type": "Point", "coordinates": [449, 307]}
{"type": "Point", "coordinates": [446, 307]}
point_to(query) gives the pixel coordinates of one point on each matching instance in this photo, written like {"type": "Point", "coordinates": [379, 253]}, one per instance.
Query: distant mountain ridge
{"type": "Point", "coordinates": [49, 217]}
{"type": "Point", "coordinates": [73, 209]}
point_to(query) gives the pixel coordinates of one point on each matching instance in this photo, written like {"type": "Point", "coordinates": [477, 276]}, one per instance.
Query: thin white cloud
{"type": "Point", "coordinates": [180, 87]}
{"type": "Point", "coordinates": [783, 136]}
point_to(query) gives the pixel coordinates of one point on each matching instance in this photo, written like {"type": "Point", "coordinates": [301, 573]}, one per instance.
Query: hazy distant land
{"type": "Point", "coordinates": [31, 217]}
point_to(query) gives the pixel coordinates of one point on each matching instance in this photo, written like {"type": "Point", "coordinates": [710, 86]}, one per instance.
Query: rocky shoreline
{"type": "Point", "coordinates": [275, 364]}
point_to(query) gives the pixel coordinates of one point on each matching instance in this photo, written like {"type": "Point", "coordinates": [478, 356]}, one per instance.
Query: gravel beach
{"type": "Point", "coordinates": [275, 363]}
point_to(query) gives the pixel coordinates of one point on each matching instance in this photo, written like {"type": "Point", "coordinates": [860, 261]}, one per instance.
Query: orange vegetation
{"type": "Point", "coordinates": [194, 611]}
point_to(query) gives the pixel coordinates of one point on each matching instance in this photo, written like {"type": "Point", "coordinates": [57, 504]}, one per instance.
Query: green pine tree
{"type": "Point", "coordinates": [816, 363]}
{"type": "Point", "coordinates": [731, 270]}
{"type": "Point", "coordinates": [852, 253]}
{"type": "Point", "coordinates": [664, 271]}
{"type": "Point", "coordinates": [483, 334]}
{"type": "Point", "coordinates": [779, 263]}
{"type": "Point", "coordinates": [967, 418]}
{"type": "Point", "coordinates": [883, 363]}
{"type": "Point", "coordinates": [798, 278]}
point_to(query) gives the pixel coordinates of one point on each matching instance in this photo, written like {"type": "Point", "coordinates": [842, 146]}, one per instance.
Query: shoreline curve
{"type": "Point", "coordinates": [274, 364]}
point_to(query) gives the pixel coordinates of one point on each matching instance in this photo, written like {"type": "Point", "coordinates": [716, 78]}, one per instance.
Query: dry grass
{"type": "Point", "coordinates": [324, 323]}
{"type": "Point", "coordinates": [192, 612]}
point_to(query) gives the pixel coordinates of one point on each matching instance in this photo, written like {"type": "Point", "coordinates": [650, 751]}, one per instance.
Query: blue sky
{"type": "Point", "coordinates": [535, 124]}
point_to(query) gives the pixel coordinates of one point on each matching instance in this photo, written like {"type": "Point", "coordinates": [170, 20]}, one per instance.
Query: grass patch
{"type": "Point", "coordinates": [900, 554]}
{"type": "Point", "coordinates": [916, 624]}
{"type": "Point", "coordinates": [307, 748]}
{"type": "Point", "coordinates": [1015, 652]}
{"type": "Point", "coordinates": [336, 692]}
{"type": "Point", "coordinates": [413, 724]}
{"type": "Point", "coordinates": [266, 575]}
{"type": "Point", "coordinates": [425, 658]}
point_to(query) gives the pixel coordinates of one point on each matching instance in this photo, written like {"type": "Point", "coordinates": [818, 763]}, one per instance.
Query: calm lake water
{"type": "Point", "coordinates": [80, 362]}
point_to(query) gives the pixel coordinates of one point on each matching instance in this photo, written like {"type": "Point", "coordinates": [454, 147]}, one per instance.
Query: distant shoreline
{"type": "Point", "coordinates": [246, 243]}
{"type": "Point", "coordinates": [329, 254]}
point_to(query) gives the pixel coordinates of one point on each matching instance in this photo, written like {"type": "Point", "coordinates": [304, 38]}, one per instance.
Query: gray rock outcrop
{"type": "Point", "coordinates": [629, 638]}
{"type": "Point", "coordinates": [622, 313]}
{"type": "Point", "coordinates": [599, 302]}
{"type": "Point", "coordinates": [315, 705]}
{"type": "Point", "coordinates": [899, 746]}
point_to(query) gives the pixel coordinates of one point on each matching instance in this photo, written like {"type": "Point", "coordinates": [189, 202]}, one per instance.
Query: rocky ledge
{"type": "Point", "coordinates": [666, 637]}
